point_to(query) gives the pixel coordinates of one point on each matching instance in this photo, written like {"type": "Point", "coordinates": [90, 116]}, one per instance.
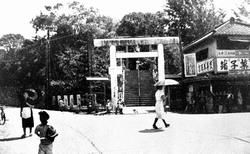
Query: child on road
{"type": "Point", "coordinates": [46, 133]}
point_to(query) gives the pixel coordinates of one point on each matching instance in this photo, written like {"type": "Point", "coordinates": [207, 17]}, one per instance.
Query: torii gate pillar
{"type": "Point", "coordinates": [113, 73]}
{"type": "Point", "coordinates": [112, 43]}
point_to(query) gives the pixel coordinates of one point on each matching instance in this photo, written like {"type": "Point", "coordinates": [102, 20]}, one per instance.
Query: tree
{"type": "Point", "coordinates": [192, 18]}
{"type": "Point", "coordinates": [72, 42]}
{"type": "Point", "coordinates": [242, 13]}
{"type": "Point", "coordinates": [142, 24]}
{"type": "Point", "coordinates": [12, 44]}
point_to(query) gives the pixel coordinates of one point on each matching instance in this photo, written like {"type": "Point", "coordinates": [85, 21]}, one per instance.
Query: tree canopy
{"type": "Point", "coordinates": [142, 24]}
{"type": "Point", "coordinates": [192, 18]}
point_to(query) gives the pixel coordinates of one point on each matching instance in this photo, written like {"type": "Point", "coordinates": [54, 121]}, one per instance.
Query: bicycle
{"type": "Point", "coordinates": [2, 116]}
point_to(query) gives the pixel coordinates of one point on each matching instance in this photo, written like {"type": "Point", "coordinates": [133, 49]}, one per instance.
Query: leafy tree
{"type": "Point", "coordinates": [72, 42]}
{"type": "Point", "coordinates": [192, 18]}
{"type": "Point", "coordinates": [242, 12]}
{"type": "Point", "coordinates": [142, 24]}
{"type": "Point", "coordinates": [12, 44]}
{"type": "Point", "coordinates": [11, 41]}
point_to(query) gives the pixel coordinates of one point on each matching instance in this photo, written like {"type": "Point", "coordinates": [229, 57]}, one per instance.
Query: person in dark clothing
{"type": "Point", "coordinates": [47, 134]}
{"type": "Point", "coordinates": [230, 98]}
{"type": "Point", "coordinates": [202, 102]}
{"type": "Point", "coordinates": [26, 114]}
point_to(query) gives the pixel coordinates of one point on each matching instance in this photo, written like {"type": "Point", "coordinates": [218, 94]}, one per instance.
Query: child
{"type": "Point", "coordinates": [46, 133]}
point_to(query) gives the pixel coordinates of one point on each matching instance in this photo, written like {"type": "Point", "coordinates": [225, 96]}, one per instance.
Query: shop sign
{"type": "Point", "coordinates": [237, 72]}
{"type": "Point", "coordinates": [190, 65]}
{"type": "Point", "coordinates": [243, 53]}
{"type": "Point", "coordinates": [225, 53]}
{"type": "Point", "coordinates": [233, 53]}
{"type": "Point", "coordinates": [205, 66]}
{"type": "Point", "coordinates": [233, 64]}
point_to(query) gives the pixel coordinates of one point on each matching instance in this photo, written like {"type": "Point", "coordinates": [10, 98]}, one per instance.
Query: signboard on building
{"type": "Point", "coordinates": [190, 65]}
{"type": "Point", "coordinates": [233, 53]}
{"type": "Point", "coordinates": [233, 64]}
{"type": "Point", "coordinates": [205, 66]}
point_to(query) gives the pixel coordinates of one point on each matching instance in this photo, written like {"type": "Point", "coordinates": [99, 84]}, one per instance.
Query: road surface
{"type": "Point", "coordinates": [133, 134]}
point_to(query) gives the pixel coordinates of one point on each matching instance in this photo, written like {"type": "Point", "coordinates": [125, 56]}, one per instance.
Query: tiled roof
{"type": "Point", "coordinates": [233, 28]}
{"type": "Point", "coordinates": [229, 28]}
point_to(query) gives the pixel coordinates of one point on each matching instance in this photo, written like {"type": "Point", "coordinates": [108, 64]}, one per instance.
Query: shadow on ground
{"type": "Point", "coordinates": [10, 139]}
{"type": "Point", "coordinates": [151, 130]}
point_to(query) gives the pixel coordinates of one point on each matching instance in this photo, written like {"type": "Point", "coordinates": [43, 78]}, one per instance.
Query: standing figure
{"type": "Point", "coordinates": [230, 98]}
{"type": "Point", "coordinates": [159, 106]}
{"type": "Point", "coordinates": [2, 116]}
{"type": "Point", "coordinates": [46, 133]}
{"type": "Point", "coordinates": [119, 107]}
{"type": "Point", "coordinates": [190, 103]}
{"type": "Point", "coordinates": [108, 106]}
{"type": "Point", "coordinates": [202, 102]}
{"type": "Point", "coordinates": [26, 114]}
{"type": "Point", "coordinates": [240, 101]}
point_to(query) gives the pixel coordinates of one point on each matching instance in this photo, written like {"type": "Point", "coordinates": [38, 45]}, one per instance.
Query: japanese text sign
{"type": "Point", "coordinates": [231, 64]}
{"type": "Point", "coordinates": [205, 66]}
{"type": "Point", "coordinates": [190, 65]}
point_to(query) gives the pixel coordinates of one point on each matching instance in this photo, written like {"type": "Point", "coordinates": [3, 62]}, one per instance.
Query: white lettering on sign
{"type": "Point", "coordinates": [205, 66]}
{"type": "Point", "coordinates": [233, 64]}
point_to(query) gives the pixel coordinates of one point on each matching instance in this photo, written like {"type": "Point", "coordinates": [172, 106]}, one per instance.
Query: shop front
{"type": "Point", "coordinates": [217, 70]}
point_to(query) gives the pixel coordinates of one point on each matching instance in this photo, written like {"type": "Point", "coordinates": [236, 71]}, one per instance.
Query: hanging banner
{"type": "Point", "coordinates": [205, 66]}
{"type": "Point", "coordinates": [233, 64]}
{"type": "Point", "coordinates": [190, 65]}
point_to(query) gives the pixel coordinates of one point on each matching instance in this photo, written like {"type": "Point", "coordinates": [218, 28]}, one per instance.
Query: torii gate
{"type": "Point", "coordinates": [112, 43]}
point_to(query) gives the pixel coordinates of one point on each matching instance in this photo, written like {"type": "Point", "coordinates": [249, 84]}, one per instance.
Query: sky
{"type": "Point", "coordinates": [15, 15]}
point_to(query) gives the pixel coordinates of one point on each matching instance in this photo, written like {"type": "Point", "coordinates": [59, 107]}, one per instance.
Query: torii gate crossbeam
{"type": "Point", "coordinates": [112, 43]}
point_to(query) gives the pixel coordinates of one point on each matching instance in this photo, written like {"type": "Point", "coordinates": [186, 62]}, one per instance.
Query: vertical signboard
{"type": "Point", "coordinates": [190, 65]}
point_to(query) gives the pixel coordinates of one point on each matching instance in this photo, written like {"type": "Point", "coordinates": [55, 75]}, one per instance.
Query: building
{"type": "Point", "coordinates": [219, 63]}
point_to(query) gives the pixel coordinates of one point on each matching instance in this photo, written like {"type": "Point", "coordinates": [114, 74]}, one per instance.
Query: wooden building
{"type": "Point", "coordinates": [219, 63]}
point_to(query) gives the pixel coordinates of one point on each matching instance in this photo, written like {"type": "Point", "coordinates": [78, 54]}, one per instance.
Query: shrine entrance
{"type": "Point", "coordinates": [134, 65]}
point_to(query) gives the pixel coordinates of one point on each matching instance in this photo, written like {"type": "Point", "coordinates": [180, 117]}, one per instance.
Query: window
{"type": "Point", "coordinates": [201, 55]}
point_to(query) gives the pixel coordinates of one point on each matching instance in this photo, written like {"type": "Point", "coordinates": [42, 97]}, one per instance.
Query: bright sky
{"type": "Point", "coordinates": [15, 15]}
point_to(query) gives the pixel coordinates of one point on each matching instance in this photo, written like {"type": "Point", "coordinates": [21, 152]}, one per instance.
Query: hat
{"type": "Point", "coordinates": [44, 114]}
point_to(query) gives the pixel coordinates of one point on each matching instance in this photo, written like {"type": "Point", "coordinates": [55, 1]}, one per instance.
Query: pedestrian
{"type": "Point", "coordinates": [108, 106]}
{"type": "Point", "coordinates": [159, 106]}
{"type": "Point", "coordinates": [2, 116]}
{"type": "Point", "coordinates": [230, 98]}
{"type": "Point", "coordinates": [26, 114]}
{"type": "Point", "coordinates": [61, 104]}
{"type": "Point", "coordinates": [240, 101]}
{"type": "Point", "coordinates": [46, 133]}
{"type": "Point", "coordinates": [202, 102]}
{"type": "Point", "coordinates": [190, 103]}
{"type": "Point", "coordinates": [119, 107]}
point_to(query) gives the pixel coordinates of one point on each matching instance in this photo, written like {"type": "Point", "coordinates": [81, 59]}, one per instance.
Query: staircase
{"type": "Point", "coordinates": [132, 88]}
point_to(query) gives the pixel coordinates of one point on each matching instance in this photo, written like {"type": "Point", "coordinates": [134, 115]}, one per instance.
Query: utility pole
{"type": "Point", "coordinates": [47, 91]}
{"type": "Point", "coordinates": [181, 52]}
{"type": "Point", "coordinates": [90, 50]}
